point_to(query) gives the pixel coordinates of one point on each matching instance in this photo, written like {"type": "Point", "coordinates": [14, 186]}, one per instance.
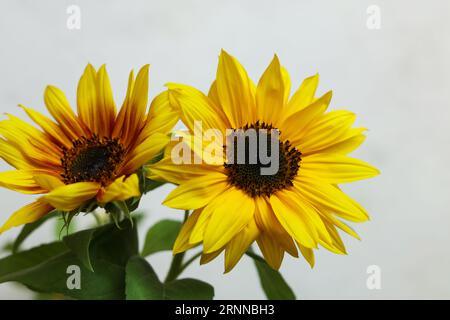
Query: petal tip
{"type": "Point", "coordinates": [275, 59]}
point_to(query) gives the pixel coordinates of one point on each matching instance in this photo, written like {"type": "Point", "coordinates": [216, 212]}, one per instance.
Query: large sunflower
{"type": "Point", "coordinates": [234, 205]}
{"type": "Point", "coordinates": [91, 157]}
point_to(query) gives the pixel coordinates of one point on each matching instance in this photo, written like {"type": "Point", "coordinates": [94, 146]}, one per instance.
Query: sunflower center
{"type": "Point", "coordinates": [248, 175]}
{"type": "Point", "coordinates": [92, 159]}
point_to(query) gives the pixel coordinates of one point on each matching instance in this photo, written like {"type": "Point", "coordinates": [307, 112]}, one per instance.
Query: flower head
{"type": "Point", "coordinates": [89, 157]}
{"type": "Point", "coordinates": [297, 207]}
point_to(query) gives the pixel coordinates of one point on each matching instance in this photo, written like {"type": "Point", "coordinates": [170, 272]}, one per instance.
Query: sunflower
{"type": "Point", "coordinates": [90, 157]}
{"type": "Point", "coordinates": [296, 209]}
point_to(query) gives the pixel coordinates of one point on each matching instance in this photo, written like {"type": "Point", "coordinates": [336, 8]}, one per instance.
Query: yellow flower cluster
{"type": "Point", "coordinates": [96, 155]}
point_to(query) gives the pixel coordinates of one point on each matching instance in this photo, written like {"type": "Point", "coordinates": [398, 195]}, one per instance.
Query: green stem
{"type": "Point", "coordinates": [251, 254]}
{"type": "Point", "coordinates": [192, 259]}
{"type": "Point", "coordinates": [176, 266]}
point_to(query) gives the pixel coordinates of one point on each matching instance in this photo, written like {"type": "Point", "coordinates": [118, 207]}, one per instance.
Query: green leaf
{"type": "Point", "coordinates": [14, 265]}
{"type": "Point", "coordinates": [161, 237]}
{"type": "Point", "coordinates": [68, 218]}
{"type": "Point", "coordinates": [150, 185]}
{"type": "Point", "coordinates": [52, 276]}
{"type": "Point", "coordinates": [189, 289]}
{"type": "Point", "coordinates": [157, 158]}
{"type": "Point", "coordinates": [7, 247]}
{"type": "Point", "coordinates": [272, 282]}
{"type": "Point", "coordinates": [138, 217]}
{"type": "Point", "coordinates": [133, 204]}
{"type": "Point", "coordinates": [60, 226]}
{"type": "Point", "coordinates": [29, 228]}
{"type": "Point", "coordinates": [122, 206]}
{"type": "Point", "coordinates": [45, 268]}
{"type": "Point", "coordinates": [79, 243]}
{"type": "Point", "coordinates": [115, 245]}
{"type": "Point", "coordinates": [121, 243]}
{"type": "Point", "coordinates": [145, 184]}
{"type": "Point", "coordinates": [142, 283]}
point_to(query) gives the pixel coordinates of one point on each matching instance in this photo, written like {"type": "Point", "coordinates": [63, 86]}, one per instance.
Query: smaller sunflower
{"type": "Point", "coordinates": [92, 157]}
{"type": "Point", "coordinates": [297, 208]}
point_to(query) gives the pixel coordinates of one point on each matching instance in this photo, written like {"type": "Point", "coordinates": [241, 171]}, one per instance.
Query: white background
{"type": "Point", "coordinates": [396, 79]}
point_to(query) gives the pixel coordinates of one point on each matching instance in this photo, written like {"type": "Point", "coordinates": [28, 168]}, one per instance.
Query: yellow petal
{"type": "Point", "coordinates": [166, 170]}
{"type": "Point", "coordinates": [294, 219]}
{"type": "Point", "coordinates": [344, 144]}
{"type": "Point", "coordinates": [208, 257]}
{"type": "Point", "coordinates": [131, 118]}
{"type": "Point", "coordinates": [121, 189]}
{"type": "Point", "coordinates": [41, 157]}
{"type": "Point", "coordinates": [145, 152]}
{"type": "Point", "coordinates": [20, 181]}
{"type": "Point", "coordinates": [14, 157]}
{"type": "Point", "coordinates": [227, 220]}
{"type": "Point", "coordinates": [273, 253]}
{"type": "Point", "coordinates": [308, 254]}
{"type": "Point", "coordinates": [49, 127]}
{"type": "Point", "coordinates": [36, 138]}
{"type": "Point", "coordinates": [326, 195]}
{"type": "Point", "coordinates": [139, 97]}
{"type": "Point", "coordinates": [30, 213]}
{"type": "Point", "coordinates": [160, 106]}
{"type": "Point", "coordinates": [330, 219]}
{"type": "Point", "coordinates": [267, 221]}
{"type": "Point", "coordinates": [188, 148]}
{"type": "Point", "coordinates": [287, 86]}
{"type": "Point", "coordinates": [336, 245]}
{"type": "Point", "coordinates": [312, 214]}
{"type": "Point", "coordinates": [213, 95]}
{"type": "Point", "coordinates": [304, 96]}
{"type": "Point", "coordinates": [203, 219]}
{"type": "Point", "coordinates": [105, 102]}
{"type": "Point", "coordinates": [71, 196]}
{"type": "Point", "coordinates": [87, 100]}
{"type": "Point", "coordinates": [96, 106]}
{"type": "Point", "coordinates": [294, 127]}
{"type": "Point", "coordinates": [194, 106]}
{"type": "Point", "coordinates": [265, 218]}
{"type": "Point", "coordinates": [120, 126]}
{"type": "Point", "coordinates": [270, 93]}
{"type": "Point", "coordinates": [162, 124]}
{"type": "Point", "coordinates": [236, 248]}
{"type": "Point", "coordinates": [236, 91]}
{"type": "Point", "coordinates": [161, 118]}
{"type": "Point", "coordinates": [182, 242]}
{"type": "Point", "coordinates": [336, 168]}
{"type": "Point", "coordinates": [47, 181]}
{"type": "Point", "coordinates": [59, 108]}
{"type": "Point", "coordinates": [197, 192]}
{"type": "Point", "coordinates": [327, 130]}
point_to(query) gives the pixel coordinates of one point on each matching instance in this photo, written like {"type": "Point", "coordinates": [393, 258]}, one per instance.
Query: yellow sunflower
{"type": "Point", "coordinates": [297, 208]}
{"type": "Point", "coordinates": [92, 156]}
